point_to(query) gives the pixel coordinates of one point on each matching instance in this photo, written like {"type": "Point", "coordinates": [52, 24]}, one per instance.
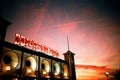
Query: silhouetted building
{"type": "Point", "coordinates": [20, 63]}
{"type": "Point", "coordinates": [69, 56]}
{"type": "Point", "coordinates": [3, 28]}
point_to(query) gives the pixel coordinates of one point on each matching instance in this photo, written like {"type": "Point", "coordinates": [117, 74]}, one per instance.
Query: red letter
{"type": "Point", "coordinates": [17, 39]}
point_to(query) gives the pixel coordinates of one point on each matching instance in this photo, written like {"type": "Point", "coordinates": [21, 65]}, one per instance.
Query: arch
{"type": "Point", "coordinates": [65, 70]}
{"type": "Point", "coordinates": [56, 68]}
{"type": "Point", "coordinates": [9, 59]}
{"type": "Point", "coordinates": [30, 62]}
{"type": "Point", "coordinates": [45, 65]}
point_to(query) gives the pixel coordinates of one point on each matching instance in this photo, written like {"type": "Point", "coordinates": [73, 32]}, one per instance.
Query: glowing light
{"type": "Point", "coordinates": [65, 74]}
{"type": "Point", "coordinates": [15, 79]}
{"type": "Point", "coordinates": [106, 73]}
{"type": "Point", "coordinates": [8, 68]}
{"type": "Point", "coordinates": [29, 70]}
{"type": "Point", "coordinates": [44, 72]}
{"type": "Point", "coordinates": [56, 73]}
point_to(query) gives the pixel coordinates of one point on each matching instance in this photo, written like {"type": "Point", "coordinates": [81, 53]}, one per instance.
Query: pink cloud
{"type": "Point", "coordinates": [66, 28]}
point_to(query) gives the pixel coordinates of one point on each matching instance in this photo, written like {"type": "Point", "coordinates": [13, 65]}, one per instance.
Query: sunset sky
{"type": "Point", "coordinates": [93, 28]}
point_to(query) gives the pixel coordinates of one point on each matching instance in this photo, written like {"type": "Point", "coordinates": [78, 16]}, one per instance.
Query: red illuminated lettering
{"type": "Point", "coordinates": [27, 42]}
{"type": "Point", "coordinates": [46, 49]}
{"type": "Point", "coordinates": [40, 47]}
{"type": "Point", "coordinates": [23, 41]}
{"type": "Point", "coordinates": [17, 39]}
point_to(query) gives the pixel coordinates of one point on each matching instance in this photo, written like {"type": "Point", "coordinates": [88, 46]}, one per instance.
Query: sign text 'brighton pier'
{"type": "Point", "coordinates": [23, 41]}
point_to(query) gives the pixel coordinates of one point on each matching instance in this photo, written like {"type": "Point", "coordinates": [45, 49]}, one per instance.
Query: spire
{"type": "Point", "coordinates": [69, 57]}
{"type": "Point", "coordinates": [68, 43]}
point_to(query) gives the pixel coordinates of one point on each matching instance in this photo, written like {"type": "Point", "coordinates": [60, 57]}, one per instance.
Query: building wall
{"type": "Point", "coordinates": [20, 63]}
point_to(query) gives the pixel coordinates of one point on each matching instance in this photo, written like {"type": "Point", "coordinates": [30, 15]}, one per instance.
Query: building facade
{"type": "Point", "coordinates": [21, 63]}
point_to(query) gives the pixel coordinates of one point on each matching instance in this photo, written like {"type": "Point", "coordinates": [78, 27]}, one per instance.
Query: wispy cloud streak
{"type": "Point", "coordinates": [97, 68]}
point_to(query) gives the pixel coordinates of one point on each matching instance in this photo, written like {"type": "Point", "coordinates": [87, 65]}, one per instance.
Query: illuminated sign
{"type": "Point", "coordinates": [23, 41]}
